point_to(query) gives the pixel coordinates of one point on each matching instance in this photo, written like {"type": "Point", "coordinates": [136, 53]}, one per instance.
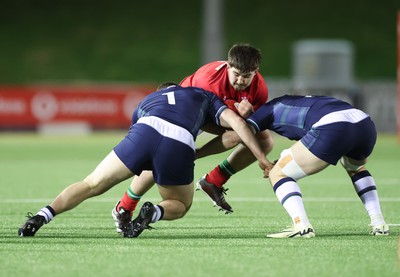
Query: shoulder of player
{"type": "Point", "coordinates": [212, 68]}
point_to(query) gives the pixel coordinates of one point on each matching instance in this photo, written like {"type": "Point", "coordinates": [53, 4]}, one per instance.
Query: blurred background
{"type": "Point", "coordinates": [50, 50]}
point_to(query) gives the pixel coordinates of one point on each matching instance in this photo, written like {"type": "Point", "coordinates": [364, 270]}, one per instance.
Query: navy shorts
{"type": "Point", "coordinates": [332, 141]}
{"type": "Point", "coordinates": [171, 161]}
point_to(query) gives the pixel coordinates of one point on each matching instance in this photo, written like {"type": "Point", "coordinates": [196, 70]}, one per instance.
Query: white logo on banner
{"type": "Point", "coordinates": [44, 106]}
{"type": "Point", "coordinates": [12, 106]}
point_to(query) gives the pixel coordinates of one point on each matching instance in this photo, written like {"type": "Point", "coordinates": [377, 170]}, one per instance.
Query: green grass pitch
{"type": "Point", "coordinates": [83, 242]}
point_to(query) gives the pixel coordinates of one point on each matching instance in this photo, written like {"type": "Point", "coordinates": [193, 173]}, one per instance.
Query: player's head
{"type": "Point", "coordinates": [243, 63]}
{"type": "Point", "coordinates": [165, 85]}
{"type": "Point", "coordinates": [244, 57]}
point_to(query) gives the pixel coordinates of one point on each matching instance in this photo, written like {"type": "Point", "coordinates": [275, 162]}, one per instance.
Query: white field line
{"type": "Point", "coordinates": [196, 199]}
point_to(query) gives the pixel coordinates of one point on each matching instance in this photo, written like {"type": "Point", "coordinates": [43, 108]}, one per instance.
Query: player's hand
{"type": "Point", "coordinates": [244, 108]}
{"type": "Point", "coordinates": [266, 167]}
{"type": "Point", "coordinates": [231, 105]}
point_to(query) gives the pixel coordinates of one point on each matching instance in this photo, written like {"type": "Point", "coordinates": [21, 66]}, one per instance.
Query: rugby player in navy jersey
{"type": "Point", "coordinates": [161, 138]}
{"type": "Point", "coordinates": [327, 130]}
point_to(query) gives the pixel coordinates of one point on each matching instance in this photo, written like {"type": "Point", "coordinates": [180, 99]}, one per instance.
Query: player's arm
{"type": "Point", "coordinates": [228, 118]}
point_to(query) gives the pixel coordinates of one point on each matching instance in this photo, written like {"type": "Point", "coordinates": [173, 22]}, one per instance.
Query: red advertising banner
{"type": "Point", "coordinates": [99, 106]}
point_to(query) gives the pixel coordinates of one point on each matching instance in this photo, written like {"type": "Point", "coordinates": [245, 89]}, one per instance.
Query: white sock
{"type": "Point", "coordinates": [46, 213]}
{"type": "Point", "coordinates": [289, 194]}
{"type": "Point", "coordinates": [158, 214]}
{"type": "Point", "coordinates": [365, 187]}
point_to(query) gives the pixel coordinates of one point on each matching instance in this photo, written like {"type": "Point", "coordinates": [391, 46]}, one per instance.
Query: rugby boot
{"type": "Point", "coordinates": [141, 222]}
{"type": "Point", "coordinates": [31, 226]}
{"type": "Point", "coordinates": [304, 231]}
{"type": "Point", "coordinates": [215, 193]}
{"type": "Point", "coordinates": [380, 230]}
{"type": "Point", "coordinates": [122, 217]}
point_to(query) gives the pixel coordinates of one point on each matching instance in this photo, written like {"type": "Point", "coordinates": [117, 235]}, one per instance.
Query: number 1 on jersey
{"type": "Point", "coordinates": [171, 97]}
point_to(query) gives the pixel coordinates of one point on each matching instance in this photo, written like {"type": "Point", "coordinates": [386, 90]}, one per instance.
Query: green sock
{"type": "Point", "coordinates": [132, 195]}
{"type": "Point", "coordinates": [226, 168]}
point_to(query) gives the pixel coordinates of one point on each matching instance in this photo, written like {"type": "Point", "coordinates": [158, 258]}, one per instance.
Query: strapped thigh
{"type": "Point", "coordinates": [289, 166]}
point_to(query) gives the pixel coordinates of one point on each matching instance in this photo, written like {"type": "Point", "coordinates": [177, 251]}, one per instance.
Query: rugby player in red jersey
{"type": "Point", "coordinates": [239, 84]}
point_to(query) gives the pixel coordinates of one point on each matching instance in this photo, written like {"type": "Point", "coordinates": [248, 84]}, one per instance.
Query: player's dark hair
{"type": "Point", "coordinates": [165, 85]}
{"type": "Point", "coordinates": [244, 57]}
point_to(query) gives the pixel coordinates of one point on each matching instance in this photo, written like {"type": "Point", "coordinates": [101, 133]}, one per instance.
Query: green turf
{"type": "Point", "coordinates": [82, 242]}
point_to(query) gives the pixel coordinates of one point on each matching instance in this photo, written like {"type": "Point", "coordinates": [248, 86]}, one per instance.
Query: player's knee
{"type": "Point", "coordinates": [231, 139]}
{"type": "Point", "coordinates": [350, 167]}
{"type": "Point", "coordinates": [187, 208]}
{"type": "Point", "coordinates": [275, 174]}
{"type": "Point", "coordinates": [90, 180]}
{"type": "Point", "coordinates": [266, 141]}
{"type": "Point", "coordinates": [94, 183]}
{"type": "Point", "coordinates": [181, 209]}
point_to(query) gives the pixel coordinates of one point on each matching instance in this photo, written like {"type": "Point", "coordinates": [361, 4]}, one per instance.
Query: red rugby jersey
{"type": "Point", "coordinates": [214, 77]}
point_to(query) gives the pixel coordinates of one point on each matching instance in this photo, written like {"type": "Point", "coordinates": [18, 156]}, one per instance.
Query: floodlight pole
{"type": "Point", "coordinates": [213, 37]}
{"type": "Point", "coordinates": [398, 76]}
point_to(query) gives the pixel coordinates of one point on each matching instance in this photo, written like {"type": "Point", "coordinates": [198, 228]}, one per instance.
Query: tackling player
{"type": "Point", "coordinates": [327, 130]}
{"type": "Point", "coordinates": [162, 139]}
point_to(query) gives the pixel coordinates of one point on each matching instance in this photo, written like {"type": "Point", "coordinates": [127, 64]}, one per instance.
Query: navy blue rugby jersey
{"type": "Point", "coordinates": [186, 107]}
{"type": "Point", "coordinates": [292, 116]}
